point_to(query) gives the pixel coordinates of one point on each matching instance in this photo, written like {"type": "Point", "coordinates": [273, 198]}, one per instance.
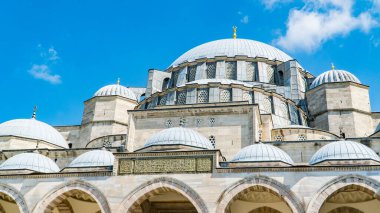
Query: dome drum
{"type": "Point", "coordinates": [261, 73]}
{"type": "Point", "coordinates": [214, 91]}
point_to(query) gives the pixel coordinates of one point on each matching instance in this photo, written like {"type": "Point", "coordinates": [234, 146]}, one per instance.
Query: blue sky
{"type": "Point", "coordinates": [56, 54]}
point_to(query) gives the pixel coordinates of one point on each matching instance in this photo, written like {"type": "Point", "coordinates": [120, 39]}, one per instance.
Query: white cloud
{"type": "Point", "coordinates": [320, 20]}
{"type": "Point", "coordinates": [245, 20]}
{"type": "Point", "coordinates": [42, 69]}
{"type": "Point", "coordinates": [53, 54]}
{"type": "Point", "coordinates": [43, 72]}
{"type": "Point", "coordinates": [270, 4]}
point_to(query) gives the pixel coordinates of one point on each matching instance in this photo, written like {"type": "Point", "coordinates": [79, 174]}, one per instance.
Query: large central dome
{"type": "Point", "coordinates": [232, 48]}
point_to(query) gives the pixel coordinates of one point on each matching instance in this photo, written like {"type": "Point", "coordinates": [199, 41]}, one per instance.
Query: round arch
{"type": "Point", "coordinates": [62, 192]}
{"type": "Point", "coordinates": [229, 194]}
{"type": "Point", "coordinates": [158, 185]}
{"type": "Point", "coordinates": [343, 181]}
{"type": "Point", "coordinates": [16, 196]}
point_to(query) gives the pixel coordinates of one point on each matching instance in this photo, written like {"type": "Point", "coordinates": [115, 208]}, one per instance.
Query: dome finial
{"type": "Point", "coordinates": [34, 112]}
{"type": "Point", "coordinates": [332, 66]}
{"type": "Point", "coordinates": [234, 30]}
{"type": "Point", "coordinates": [118, 81]}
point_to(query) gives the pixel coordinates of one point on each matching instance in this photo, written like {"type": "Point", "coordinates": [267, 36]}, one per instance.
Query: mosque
{"type": "Point", "coordinates": [231, 126]}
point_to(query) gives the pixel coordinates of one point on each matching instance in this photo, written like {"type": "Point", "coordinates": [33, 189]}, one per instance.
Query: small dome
{"type": "Point", "coordinates": [116, 89]}
{"type": "Point", "coordinates": [334, 76]}
{"type": "Point", "coordinates": [30, 161]}
{"type": "Point", "coordinates": [344, 150]}
{"type": "Point", "coordinates": [262, 153]}
{"type": "Point", "coordinates": [179, 136]}
{"type": "Point", "coordinates": [32, 129]}
{"type": "Point", "coordinates": [232, 48]}
{"type": "Point", "coordinates": [93, 158]}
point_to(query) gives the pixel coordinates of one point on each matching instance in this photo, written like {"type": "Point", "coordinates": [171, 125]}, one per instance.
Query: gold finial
{"type": "Point", "coordinates": [332, 66]}
{"type": "Point", "coordinates": [118, 81]}
{"type": "Point", "coordinates": [34, 112]}
{"type": "Point", "coordinates": [234, 30]}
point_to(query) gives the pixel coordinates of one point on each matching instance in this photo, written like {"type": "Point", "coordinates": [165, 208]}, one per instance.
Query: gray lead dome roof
{"type": "Point", "coordinates": [179, 136]}
{"type": "Point", "coordinates": [30, 161]}
{"type": "Point", "coordinates": [116, 89]}
{"type": "Point", "coordinates": [334, 76]}
{"type": "Point", "coordinates": [232, 48]}
{"type": "Point", "coordinates": [93, 158]}
{"type": "Point", "coordinates": [32, 129]}
{"type": "Point", "coordinates": [344, 150]}
{"type": "Point", "coordinates": [262, 153]}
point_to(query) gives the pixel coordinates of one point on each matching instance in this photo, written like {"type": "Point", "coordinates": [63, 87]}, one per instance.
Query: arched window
{"type": "Point", "coordinates": [281, 78]}
{"type": "Point", "coordinates": [165, 84]}
{"type": "Point", "coordinates": [142, 97]}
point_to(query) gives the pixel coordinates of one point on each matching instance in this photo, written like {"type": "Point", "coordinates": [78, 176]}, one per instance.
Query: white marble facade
{"type": "Point", "coordinates": [233, 125]}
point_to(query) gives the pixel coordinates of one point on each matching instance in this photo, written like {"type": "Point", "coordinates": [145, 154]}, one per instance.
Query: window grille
{"type": "Point", "coordinates": [150, 104]}
{"type": "Point", "coordinates": [270, 74]}
{"type": "Point", "coordinates": [266, 105]}
{"type": "Point", "coordinates": [107, 142]}
{"type": "Point", "coordinates": [174, 78]}
{"type": "Point", "coordinates": [168, 123]}
{"type": "Point", "coordinates": [203, 95]}
{"type": "Point", "coordinates": [212, 140]}
{"type": "Point", "coordinates": [231, 70]}
{"type": "Point", "coordinates": [211, 70]}
{"type": "Point", "coordinates": [192, 70]}
{"type": "Point", "coordinates": [225, 95]}
{"type": "Point", "coordinates": [163, 100]}
{"type": "Point", "coordinates": [211, 121]}
{"type": "Point", "coordinates": [247, 96]}
{"type": "Point", "coordinates": [278, 138]}
{"type": "Point", "coordinates": [283, 110]}
{"type": "Point", "coordinates": [302, 137]}
{"type": "Point", "coordinates": [198, 122]}
{"type": "Point", "coordinates": [251, 69]}
{"type": "Point", "coordinates": [181, 98]}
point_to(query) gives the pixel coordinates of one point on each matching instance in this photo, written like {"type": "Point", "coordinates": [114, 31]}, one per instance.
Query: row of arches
{"type": "Point", "coordinates": [258, 194]}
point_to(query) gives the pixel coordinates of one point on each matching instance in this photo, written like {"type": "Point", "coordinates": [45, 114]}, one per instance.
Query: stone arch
{"type": "Point", "coordinates": [158, 185]}
{"type": "Point", "coordinates": [345, 209]}
{"type": "Point", "coordinates": [16, 196]}
{"type": "Point", "coordinates": [229, 194]}
{"type": "Point", "coordinates": [343, 181]}
{"type": "Point", "coordinates": [60, 193]}
{"type": "Point", "coordinates": [264, 209]}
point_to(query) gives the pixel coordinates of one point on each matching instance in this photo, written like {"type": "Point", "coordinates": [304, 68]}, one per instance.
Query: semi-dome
{"type": "Point", "coordinates": [334, 76]}
{"type": "Point", "coordinates": [32, 129]}
{"type": "Point", "coordinates": [343, 150]}
{"type": "Point", "coordinates": [30, 161]}
{"type": "Point", "coordinates": [179, 136]}
{"type": "Point", "coordinates": [262, 153]}
{"type": "Point", "coordinates": [232, 48]}
{"type": "Point", "coordinates": [116, 89]}
{"type": "Point", "coordinates": [93, 158]}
